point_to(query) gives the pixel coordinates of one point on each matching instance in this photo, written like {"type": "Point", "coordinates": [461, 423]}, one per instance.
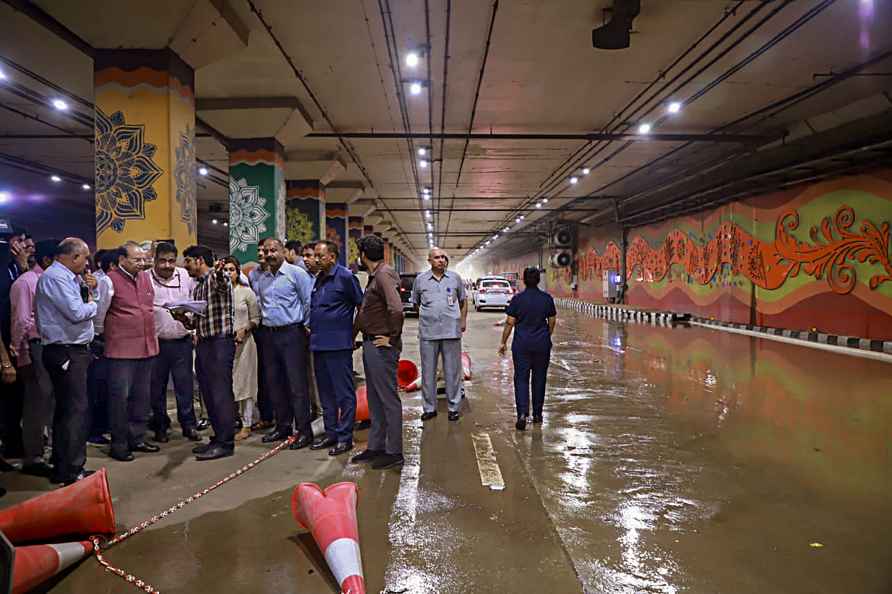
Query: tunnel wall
{"type": "Point", "coordinates": [812, 257]}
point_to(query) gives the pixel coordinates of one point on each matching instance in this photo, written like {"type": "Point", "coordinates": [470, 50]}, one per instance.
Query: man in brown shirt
{"type": "Point", "coordinates": [380, 320]}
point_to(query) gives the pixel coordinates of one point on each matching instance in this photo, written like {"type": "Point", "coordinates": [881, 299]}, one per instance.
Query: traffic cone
{"type": "Point", "coordinates": [25, 568]}
{"type": "Point", "coordinates": [466, 365]}
{"type": "Point", "coordinates": [362, 404]}
{"type": "Point", "coordinates": [330, 516]}
{"type": "Point", "coordinates": [406, 373]}
{"type": "Point", "coordinates": [82, 509]}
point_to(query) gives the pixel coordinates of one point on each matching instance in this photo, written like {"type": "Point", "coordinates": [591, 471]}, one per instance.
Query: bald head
{"type": "Point", "coordinates": [438, 259]}
{"type": "Point", "coordinates": [73, 253]}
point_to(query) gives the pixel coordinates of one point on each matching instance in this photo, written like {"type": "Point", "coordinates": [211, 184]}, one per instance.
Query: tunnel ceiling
{"type": "Point", "coordinates": [750, 77]}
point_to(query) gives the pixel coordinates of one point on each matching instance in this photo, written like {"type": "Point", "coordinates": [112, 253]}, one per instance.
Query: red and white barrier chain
{"type": "Point", "coordinates": [99, 546]}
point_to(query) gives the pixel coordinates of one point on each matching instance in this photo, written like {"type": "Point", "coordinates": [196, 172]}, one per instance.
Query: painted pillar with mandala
{"type": "Point", "coordinates": [256, 195]}
{"type": "Point", "coordinates": [305, 210]}
{"type": "Point", "coordinates": [336, 228]}
{"type": "Point", "coordinates": [144, 150]}
{"type": "Point", "coordinates": [354, 231]}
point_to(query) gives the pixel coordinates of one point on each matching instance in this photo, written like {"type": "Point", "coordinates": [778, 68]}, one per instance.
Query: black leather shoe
{"type": "Point", "coordinates": [202, 424]}
{"type": "Point", "coordinates": [145, 448]}
{"type": "Point", "coordinates": [388, 461]}
{"type": "Point", "coordinates": [6, 466]}
{"type": "Point", "coordinates": [71, 480]}
{"type": "Point", "coordinates": [537, 420]}
{"type": "Point", "coordinates": [41, 469]}
{"type": "Point", "coordinates": [201, 448]}
{"type": "Point", "coordinates": [340, 448]}
{"type": "Point", "coordinates": [274, 436]}
{"type": "Point", "coordinates": [367, 456]}
{"type": "Point", "coordinates": [322, 443]}
{"type": "Point", "coordinates": [454, 415]}
{"type": "Point", "coordinates": [191, 435]}
{"type": "Point", "coordinates": [161, 437]}
{"type": "Point", "coordinates": [521, 423]}
{"type": "Point", "coordinates": [121, 456]}
{"type": "Point", "coordinates": [428, 416]}
{"type": "Point", "coordinates": [214, 452]}
{"type": "Point", "coordinates": [302, 442]}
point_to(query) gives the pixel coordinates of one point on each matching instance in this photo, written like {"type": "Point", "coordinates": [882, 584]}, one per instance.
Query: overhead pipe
{"type": "Point", "coordinates": [608, 136]}
{"type": "Point", "coordinates": [443, 106]}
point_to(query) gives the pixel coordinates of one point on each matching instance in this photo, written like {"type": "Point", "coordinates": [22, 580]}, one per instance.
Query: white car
{"type": "Point", "coordinates": [493, 292]}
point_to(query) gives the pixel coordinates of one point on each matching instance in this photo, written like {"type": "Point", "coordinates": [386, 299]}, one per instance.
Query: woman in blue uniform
{"type": "Point", "coordinates": [532, 314]}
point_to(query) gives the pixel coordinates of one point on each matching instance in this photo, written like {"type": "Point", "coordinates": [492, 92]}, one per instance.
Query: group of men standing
{"type": "Point", "coordinates": [141, 313]}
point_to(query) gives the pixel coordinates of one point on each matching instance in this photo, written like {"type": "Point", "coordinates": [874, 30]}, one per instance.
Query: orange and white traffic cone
{"type": "Point", "coordinates": [406, 373]}
{"type": "Point", "coordinates": [362, 404]}
{"type": "Point", "coordinates": [25, 568]}
{"type": "Point", "coordinates": [330, 516]}
{"type": "Point", "coordinates": [82, 509]}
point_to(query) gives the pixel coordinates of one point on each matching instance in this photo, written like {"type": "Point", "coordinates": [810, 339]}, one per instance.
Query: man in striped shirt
{"type": "Point", "coordinates": [215, 351]}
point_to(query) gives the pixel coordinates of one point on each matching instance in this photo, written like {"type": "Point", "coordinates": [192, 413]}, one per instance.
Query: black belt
{"type": "Point", "coordinates": [285, 327]}
{"type": "Point", "coordinates": [187, 337]}
{"type": "Point", "coordinates": [68, 346]}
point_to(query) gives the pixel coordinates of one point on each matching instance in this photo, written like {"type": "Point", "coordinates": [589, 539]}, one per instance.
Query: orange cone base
{"type": "Point", "coordinates": [355, 584]}
{"type": "Point", "coordinates": [36, 564]}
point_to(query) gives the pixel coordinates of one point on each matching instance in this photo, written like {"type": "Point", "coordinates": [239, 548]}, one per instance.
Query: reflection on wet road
{"type": "Point", "coordinates": [690, 460]}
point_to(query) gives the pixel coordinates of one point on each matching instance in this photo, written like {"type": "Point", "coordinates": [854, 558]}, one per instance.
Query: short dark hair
{"type": "Point", "coordinates": [293, 245]}
{"type": "Point", "coordinates": [531, 276]}
{"type": "Point", "coordinates": [165, 248]}
{"type": "Point", "coordinates": [372, 246]}
{"type": "Point", "coordinates": [45, 248]}
{"type": "Point", "coordinates": [106, 259]}
{"type": "Point", "coordinates": [200, 252]}
{"type": "Point", "coordinates": [330, 246]}
{"type": "Point", "coordinates": [311, 245]}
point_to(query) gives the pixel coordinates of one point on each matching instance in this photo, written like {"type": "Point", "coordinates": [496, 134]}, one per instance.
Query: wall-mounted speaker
{"type": "Point", "coordinates": [561, 259]}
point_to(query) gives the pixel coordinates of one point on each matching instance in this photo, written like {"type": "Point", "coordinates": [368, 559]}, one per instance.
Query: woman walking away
{"type": "Point", "coordinates": [247, 318]}
{"type": "Point", "coordinates": [533, 314]}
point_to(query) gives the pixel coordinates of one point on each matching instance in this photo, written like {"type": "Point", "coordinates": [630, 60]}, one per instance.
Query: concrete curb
{"type": "Point", "coordinates": [663, 318]}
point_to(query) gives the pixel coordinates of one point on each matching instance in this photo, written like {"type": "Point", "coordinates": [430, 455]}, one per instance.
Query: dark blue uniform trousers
{"type": "Point", "coordinates": [334, 378]}
{"type": "Point", "coordinates": [527, 361]}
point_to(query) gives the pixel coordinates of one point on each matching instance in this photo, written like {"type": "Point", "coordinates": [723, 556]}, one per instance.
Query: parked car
{"type": "Point", "coordinates": [407, 281]}
{"type": "Point", "coordinates": [493, 291]}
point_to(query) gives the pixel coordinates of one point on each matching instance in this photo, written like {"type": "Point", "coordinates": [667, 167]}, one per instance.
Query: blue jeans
{"type": "Point", "coordinates": [527, 361]}
{"type": "Point", "coordinates": [334, 378]}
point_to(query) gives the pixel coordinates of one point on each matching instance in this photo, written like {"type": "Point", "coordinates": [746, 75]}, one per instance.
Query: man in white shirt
{"type": "Point", "coordinates": [174, 358]}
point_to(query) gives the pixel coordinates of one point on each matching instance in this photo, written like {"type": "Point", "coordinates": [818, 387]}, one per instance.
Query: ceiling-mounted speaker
{"type": "Point", "coordinates": [616, 33]}
{"type": "Point", "coordinates": [561, 259]}
{"type": "Point", "coordinates": [563, 237]}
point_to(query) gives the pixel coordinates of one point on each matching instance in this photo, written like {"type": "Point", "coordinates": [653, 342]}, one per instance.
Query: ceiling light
{"type": "Point", "coordinates": [423, 163]}
{"type": "Point", "coordinates": [2, 75]}
{"type": "Point", "coordinates": [574, 180]}
{"type": "Point", "coordinates": [427, 213]}
{"type": "Point", "coordinates": [426, 196]}
{"type": "Point", "coordinates": [225, 223]}
{"type": "Point", "coordinates": [422, 151]}
{"type": "Point", "coordinates": [538, 205]}
{"type": "Point", "coordinates": [415, 88]}
{"type": "Point", "coordinates": [644, 128]}
{"type": "Point", "coordinates": [55, 179]}
{"type": "Point", "coordinates": [214, 221]}
{"type": "Point", "coordinates": [412, 59]}
{"type": "Point", "coordinates": [506, 229]}
{"type": "Point", "coordinates": [5, 197]}
{"type": "Point", "coordinates": [60, 105]}
{"type": "Point", "coordinates": [429, 227]}
{"type": "Point", "coordinates": [85, 186]}
{"type": "Point", "coordinates": [674, 107]}
{"type": "Point", "coordinates": [202, 171]}
{"type": "Point", "coordinates": [518, 219]}
{"type": "Point", "coordinates": [521, 217]}
{"type": "Point", "coordinates": [545, 201]}
{"type": "Point", "coordinates": [586, 171]}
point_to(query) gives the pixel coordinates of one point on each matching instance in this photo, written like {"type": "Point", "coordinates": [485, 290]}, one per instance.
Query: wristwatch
{"type": "Point", "coordinates": [5, 365]}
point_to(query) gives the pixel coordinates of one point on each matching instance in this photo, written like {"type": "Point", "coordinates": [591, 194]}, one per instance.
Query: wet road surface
{"type": "Point", "coordinates": [670, 460]}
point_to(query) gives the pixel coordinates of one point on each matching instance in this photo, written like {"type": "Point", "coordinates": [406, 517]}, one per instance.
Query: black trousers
{"type": "Point", "coordinates": [285, 363]}
{"type": "Point", "coordinates": [174, 359]}
{"type": "Point", "coordinates": [67, 366]}
{"type": "Point", "coordinates": [129, 396]}
{"type": "Point", "coordinates": [214, 359]}
{"type": "Point", "coordinates": [264, 401]}
{"type": "Point", "coordinates": [97, 390]}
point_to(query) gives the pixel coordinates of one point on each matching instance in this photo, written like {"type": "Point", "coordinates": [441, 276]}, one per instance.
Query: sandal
{"type": "Point", "coordinates": [243, 434]}
{"type": "Point", "coordinates": [261, 425]}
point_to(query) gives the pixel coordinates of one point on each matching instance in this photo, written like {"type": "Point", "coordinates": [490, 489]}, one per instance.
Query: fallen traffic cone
{"type": "Point", "coordinates": [330, 516]}
{"type": "Point", "coordinates": [25, 568]}
{"type": "Point", "coordinates": [406, 373]}
{"type": "Point", "coordinates": [466, 365]}
{"type": "Point", "coordinates": [362, 404]}
{"type": "Point", "coordinates": [82, 509]}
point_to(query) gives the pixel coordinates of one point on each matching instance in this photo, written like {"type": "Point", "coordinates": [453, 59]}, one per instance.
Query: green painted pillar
{"type": "Point", "coordinates": [305, 210]}
{"type": "Point", "coordinates": [256, 195]}
{"type": "Point", "coordinates": [336, 228]}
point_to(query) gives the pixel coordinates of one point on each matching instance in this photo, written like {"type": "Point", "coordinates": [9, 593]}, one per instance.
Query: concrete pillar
{"type": "Point", "coordinates": [336, 228]}
{"type": "Point", "coordinates": [354, 231]}
{"type": "Point", "coordinates": [144, 151]}
{"type": "Point", "coordinates": [305, 210]}
{"type": "Point", "coordinates": [256, 195]}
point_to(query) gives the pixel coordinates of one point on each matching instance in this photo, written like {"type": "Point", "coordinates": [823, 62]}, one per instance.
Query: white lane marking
{"type": "Point", "coordinates": [490, 473]}
{"type": "Point", "coordinates": [877, 356]}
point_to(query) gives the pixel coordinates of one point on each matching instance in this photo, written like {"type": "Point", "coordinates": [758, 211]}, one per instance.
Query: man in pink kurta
{"type": "Point", "coordinates": [37, 410]}
{"type": "Point", "coordinates": [130, 347]}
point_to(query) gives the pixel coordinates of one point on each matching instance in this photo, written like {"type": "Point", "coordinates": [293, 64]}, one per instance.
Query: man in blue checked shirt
{"type": "Point", "coordinates": [336, 295]}
{"type": "Point", "coordinates": [283, 291]}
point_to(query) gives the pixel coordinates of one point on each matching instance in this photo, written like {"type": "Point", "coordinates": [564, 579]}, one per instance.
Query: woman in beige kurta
{"type": "Point", "coordinates": [244, 374]}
